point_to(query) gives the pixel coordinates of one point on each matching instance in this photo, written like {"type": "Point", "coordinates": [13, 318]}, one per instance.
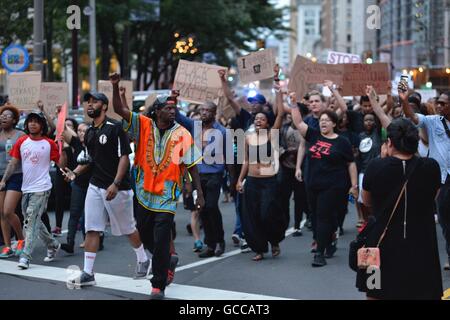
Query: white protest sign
{"type": "Point", "coordinates": [24, 89]}
{"type": "Point", "coordinates": [198, 82]}
{"type": "Point", "coordinates": [342, 57]}
{"type": "Point", "coordinates": [54, 94]}
{"type": "Point", "coordinates": [256, 66]}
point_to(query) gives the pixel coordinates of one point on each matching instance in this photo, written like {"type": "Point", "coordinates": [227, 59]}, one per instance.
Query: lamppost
{"type": "Point", "coordinates": [90, 12]}
{"type": "Point", "coordinates": [38, 37]}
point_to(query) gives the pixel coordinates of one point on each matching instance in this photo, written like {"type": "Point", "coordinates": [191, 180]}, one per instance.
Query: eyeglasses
{"type": "Point", "coordinates": [7, 116]}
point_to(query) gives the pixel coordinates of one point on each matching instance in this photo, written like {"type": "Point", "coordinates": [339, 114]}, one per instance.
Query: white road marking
{"type": "Point", "coordinates": [224, 256]}
{"type": "Point", "coordinates": [112, 282]}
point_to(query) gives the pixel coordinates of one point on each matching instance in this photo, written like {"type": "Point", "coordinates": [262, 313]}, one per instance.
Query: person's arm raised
{"type": "Point", "coordinates": [119, 108]}
{"type": "Point", "coordinates": [340, 101]}
{"type": "Point", "coordinates": [297, 116]}
{"type": "Point", "coordinates": [403, 94]}
{"type": "Point", "coordinates": [227, 92]}
{"type": "Point", "coordinates": [383, 117]}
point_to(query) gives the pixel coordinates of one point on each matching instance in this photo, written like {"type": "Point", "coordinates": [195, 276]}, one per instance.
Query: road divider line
{"type": "Point", "coordinates": [112, 282]}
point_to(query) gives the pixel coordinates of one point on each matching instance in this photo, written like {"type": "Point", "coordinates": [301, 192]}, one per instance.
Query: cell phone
{"type": "Point", "coordinates": [404, 81]}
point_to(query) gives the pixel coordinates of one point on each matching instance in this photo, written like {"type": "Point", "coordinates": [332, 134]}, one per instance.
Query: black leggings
{"type": "Point", "coordinates": [325, 205]}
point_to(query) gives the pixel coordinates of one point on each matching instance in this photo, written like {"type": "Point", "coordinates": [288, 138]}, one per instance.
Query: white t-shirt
{"type": "Point", "coordinates": [36, 157]}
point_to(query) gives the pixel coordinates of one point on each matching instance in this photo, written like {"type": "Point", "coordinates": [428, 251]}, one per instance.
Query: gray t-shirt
{"type": "Point", "coordinates": [5, 147]}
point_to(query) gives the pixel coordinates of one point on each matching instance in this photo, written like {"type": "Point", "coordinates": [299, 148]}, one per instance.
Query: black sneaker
{"type": "Point", "coordinates": [330, 251]}
{"type": "Point", "coordinates": [297, 233]}
{"type": "Point", "coordinates": [308, 224]}
{"type": "Point", "coordinates": [220, 250]}
{"type": "Point", "coordinates": [207, 253]}
{"type": "Point", "coordinates": [68, 248]}
{"type": "Point", "coordinates": [319, 261]}
{"type": "Point", "coordinates": [83, 280]}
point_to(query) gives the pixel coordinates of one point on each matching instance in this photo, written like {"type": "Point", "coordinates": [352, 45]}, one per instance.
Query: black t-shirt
{"type": "Point", "coordinates": [369, 149]}
{"type": "Point", "coordinates": [356, 121]}
{"type": "Point", "coordinates": [328, 160]}
{"type": "Point", "coordinates": [106, 144]}
{"type": "Point", "coordinates": [80, 157]}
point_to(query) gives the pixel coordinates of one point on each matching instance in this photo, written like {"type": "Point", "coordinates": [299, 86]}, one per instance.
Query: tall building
{"type": "Point", "coordinates": [414, 33]}
{"type": "Point", "coordinates": [344, 27]}
{"type": "Point", "coordinates": [306, 26]}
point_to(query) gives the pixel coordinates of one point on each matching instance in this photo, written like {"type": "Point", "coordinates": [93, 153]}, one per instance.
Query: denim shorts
{"type": "Point", "coordinates": [14, 183]}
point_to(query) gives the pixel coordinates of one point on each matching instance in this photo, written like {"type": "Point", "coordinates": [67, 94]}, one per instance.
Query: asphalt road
{"type": "Point", "coordinates": [234, 276]}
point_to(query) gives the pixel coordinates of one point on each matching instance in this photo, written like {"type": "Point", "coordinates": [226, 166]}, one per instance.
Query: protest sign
{"type": "Point", "coordinates": [256, 66]}
{"type": "Point", "coordinates": [353, 78]}
{"type": "Point", "coordinates": [305, 74]}
{"type": "Point", "coordinates": [342, 57]}
{"type": "Point", "coordinates": [198, 82]}
{"type": "Point", "coordinates": [358, 76]}
{"type": "Point", "coordinates": [24, 89]}
{"type": "Point", "coordinates": [54, 94]}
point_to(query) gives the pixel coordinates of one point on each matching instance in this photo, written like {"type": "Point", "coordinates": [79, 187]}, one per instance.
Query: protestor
{"type": "Point", "coordinates": [331, 162]}
{"type": "Point", "coordinates": [79, 186]}
{"type": "Point", "coordinates": [211, 170]}
{"type": "Point", "coordinates": [261, 218]}
{"type": "Point", "coordinates": [409, 259]}
{"type": "Point", "coordinates": [437, 127]}
{"type": "Point", "coordinates": [164, 151]}
{"type": "Point", "coordinates": [290, 180]}
{"type": "Point", "coordinates": [11, 195]}
{"type": "Point", "coordinates": [109, 194]}
{"type": "Point", "coordinates": [34, 151]}
{"type": "Point", "coordinates": [62, 187]}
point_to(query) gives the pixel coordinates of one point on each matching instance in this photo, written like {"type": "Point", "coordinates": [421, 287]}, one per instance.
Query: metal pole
{"type": "Point", "coordinates": [38, 36]}
{"type": "Point", "coordinates": [92, 47]}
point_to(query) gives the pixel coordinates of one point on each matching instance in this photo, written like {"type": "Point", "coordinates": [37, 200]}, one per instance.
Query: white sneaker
{"type": "Point", "coordinates": [51, 253]}
{"type": "Point", "coordinates": [24, 263]}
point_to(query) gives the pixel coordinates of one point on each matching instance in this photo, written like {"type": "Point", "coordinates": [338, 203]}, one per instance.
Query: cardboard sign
{"type": "Point", "coordinates": [353, 78]}
{"type": "Point", "coordinates": [24, 89]}
{"type": "Point", "coordinates": [54, 94]}
{"type": "Point", "coordinates": [358, 76]}
{"type": "Point", "coordinates": [198, 82]}
{"type": "Point", "coordinates": [306, 74]}
{"type": "Point", "coordinates": [105, 87]}
{"type": "Point", "coordinates": [342, 58]}
{"type": "Point", "coordinates": [256, 66]}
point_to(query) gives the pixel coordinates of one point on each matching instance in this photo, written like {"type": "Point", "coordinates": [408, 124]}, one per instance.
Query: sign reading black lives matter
{"type": "Point", "coordinates": [198, 82]}
{"type": "Point", "coordinates": [24, 89]}
{"type": "Point", "coordinates": [256, 66]}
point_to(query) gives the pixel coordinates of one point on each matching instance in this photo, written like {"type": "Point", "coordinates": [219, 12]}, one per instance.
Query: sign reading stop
{"type": "Point", "coordinates": [342, 57]}
{"type": "Point", "coordinates": [15, 58]}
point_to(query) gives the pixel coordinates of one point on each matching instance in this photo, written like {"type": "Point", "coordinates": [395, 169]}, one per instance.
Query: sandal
{"type": "Point", "coordinates": [258, 257]}
{"type": "Point", "coordinates": [276, 251]}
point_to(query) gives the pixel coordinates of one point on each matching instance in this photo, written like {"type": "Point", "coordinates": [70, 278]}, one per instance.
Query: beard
{"type": "Point", "coordinates": [95, 113]}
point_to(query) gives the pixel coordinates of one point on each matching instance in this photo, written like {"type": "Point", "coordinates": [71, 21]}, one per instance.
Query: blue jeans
{"type": "Point", "coordinates": [78, 197]}
{"type": "Point", "coordinates": [444, 213]}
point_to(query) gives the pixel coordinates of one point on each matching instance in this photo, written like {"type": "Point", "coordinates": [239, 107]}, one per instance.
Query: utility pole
{"type": "Point", "coordinates": [92, 46]}
{"type": "Point", "coordinates": [38, 35]}
{"type": "Point", "coordinates": [75, 65]}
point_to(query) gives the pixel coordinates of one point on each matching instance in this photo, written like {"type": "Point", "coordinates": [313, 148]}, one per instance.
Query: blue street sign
{"type": "Point", "coordinates": [15, 58]}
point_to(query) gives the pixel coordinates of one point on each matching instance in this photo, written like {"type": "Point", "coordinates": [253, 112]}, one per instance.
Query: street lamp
{"type": "Point", "coordinates": [90, 12]}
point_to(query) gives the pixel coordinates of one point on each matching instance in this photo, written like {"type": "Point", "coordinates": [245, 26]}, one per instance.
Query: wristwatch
{"type": "Point", "coordinates": [117, 183]}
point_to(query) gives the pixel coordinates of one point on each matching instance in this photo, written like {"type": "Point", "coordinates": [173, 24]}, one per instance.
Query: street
{"type": "Point", "coordinates": [231, 277]}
